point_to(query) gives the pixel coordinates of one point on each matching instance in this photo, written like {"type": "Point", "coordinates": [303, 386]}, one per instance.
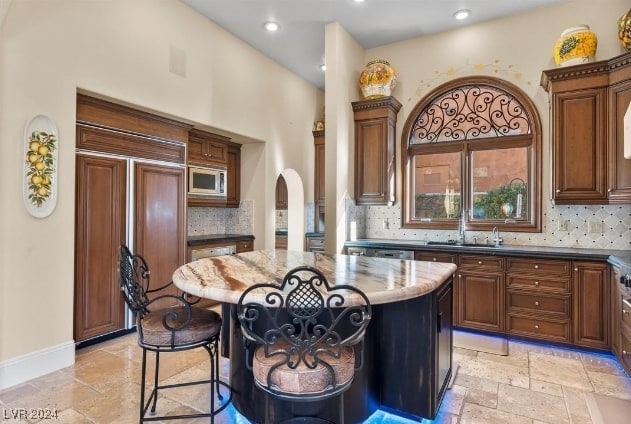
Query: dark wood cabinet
{"type": "Point", "coordinates": [375, 137]}
{"type": "Point", "coordinates": [590, 324]}
{"type": "Point", "coordinates": [117, 141]}
{"type": "Point", "coordinates": [314, 243]}
{"type": "Point", "coordinates": [159, 222]}
{"type": "Point", "coordinates": [538, 298]}
{"type": "Point", "coordinates": [281, 193]}
{"type": "Point", "coordinates": [480, 288]}
{"type": "Point", "coordinates": [233, 175]}
{"type": "Point", "coordinates": [587, 106]}
{"type": "Point", "coordinates": [280, 241]}
{"type": "Point", "coordinates": [319, 178]}
{"type": "Point", "coordinates": [245, 246]}
{"type": "Point", "coordinates": [101, 192]}
{"type": "Point", "coordinates": [207, 149]}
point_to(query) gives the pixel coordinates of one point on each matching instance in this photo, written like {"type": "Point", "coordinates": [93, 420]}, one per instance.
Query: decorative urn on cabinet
{"type": "Point", "coordinates": [624, 30]}
{"type": "Point", "coordinates": [377, 79]}
{"type": "Point", "coordinates": [577, 45]}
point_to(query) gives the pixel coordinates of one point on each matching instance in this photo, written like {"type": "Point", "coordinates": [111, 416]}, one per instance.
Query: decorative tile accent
{"type": "Point", "coordinates": [221, 220]}
{"type": "Point", "coordinates": [590, 226]}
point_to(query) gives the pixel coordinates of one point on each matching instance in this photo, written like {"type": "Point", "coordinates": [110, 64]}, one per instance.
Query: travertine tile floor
{"type": "Point", "coordinates": [534, 384]}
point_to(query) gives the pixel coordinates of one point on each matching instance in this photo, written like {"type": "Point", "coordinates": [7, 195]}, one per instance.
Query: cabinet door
{"type": "Point", "coordinates": [619, 167]}
{"type": "Point", "coordinates": [590, 293]}
{"type": "Point", "coordinates": [444, 339]}
{"type": "Point", "coordinates": [480, 300]}
{"type": "Point", "coordinates": [233, 176]}
{"type": "Point", "coordinates": [196, 151]}
{"type": "Point", "coordinates": [281, 193]}
{"type": "Point", "coordinates": [159, 212]}
{"type": "Point", "coordinates": [374, 162]}
{"type": "Point", "coordinates": [579, 147]}
{"type": "Point", "coordinates": [319, 174]}
{"type": "Point", "coordinates": [100, 230]}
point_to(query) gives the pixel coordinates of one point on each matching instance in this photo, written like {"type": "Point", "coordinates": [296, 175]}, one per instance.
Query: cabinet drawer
{"type": "Point", "coordinates": [434, 257]}
{"type": "Point", "coordinates": [543, 302]}
{"type": "Point", "coordinates": [538, 266]}
{"type": "Point", "coordinates": [539, 328]}
{"type": "Point", "coordinates": [560, 285]}
{"type": "Point", "coordinates": [245, 246]}
{"type": "Point", "coordinates": [315, 243]}
{"type": "Point", "coordinates": [479, 262]}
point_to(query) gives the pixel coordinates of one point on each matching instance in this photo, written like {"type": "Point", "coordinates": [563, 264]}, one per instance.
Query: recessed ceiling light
{"type": "Point", "coordinates": [323, 67]}
{"type": "Point", "coordinates": [358, 1]}
{"type": "Point", "coordinates": [271, 26]}
{"type": "Point", "coordinates": [462, 14]}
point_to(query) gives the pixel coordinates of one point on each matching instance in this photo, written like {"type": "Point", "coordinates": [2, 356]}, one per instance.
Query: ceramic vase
{"type": "Point", "coordinates": [575, 46]}
{"type": "Point", "coordinates": [624, 30]}
{"type": "Point", "coordinates": [377, 79]}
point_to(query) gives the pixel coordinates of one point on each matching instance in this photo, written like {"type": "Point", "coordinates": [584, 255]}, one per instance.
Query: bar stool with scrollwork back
{"type": "Point", "coordinates": [169, 329]}
{"type": "Point", "coordinates": [304, 338]}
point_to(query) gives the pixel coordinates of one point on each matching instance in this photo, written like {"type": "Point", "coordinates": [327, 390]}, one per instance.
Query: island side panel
{"type": "Point", "coordinates": [415, 352]}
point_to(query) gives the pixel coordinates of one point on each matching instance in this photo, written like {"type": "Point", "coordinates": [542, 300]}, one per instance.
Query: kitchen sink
{"type": "Point", "coordinates": [455, 243]}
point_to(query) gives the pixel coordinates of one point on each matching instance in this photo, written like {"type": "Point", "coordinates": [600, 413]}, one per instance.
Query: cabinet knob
{"type": "Point", "coordinates": [459, 275]}
{"type": "Point", "coordinates": [434, 259]}
{"type": "Point", "coordinates": [479, 262]}
{"type": "Point", "coordinates": [536, 283]}
{"type": "Point", "coordinates": [536, 327]}
{"type": "Point", "coordinates": [536, 303]}
{"type": "Point", "coordinates": [609, 190]}
{"type": "Point", "coordinates": [624, 352]}
{"type": "Point", "coordinates": [536, 267]}
{"type": "Point", "coordinates": [575, 269]}
{"type": "Point", "coordinates": [558, 191]}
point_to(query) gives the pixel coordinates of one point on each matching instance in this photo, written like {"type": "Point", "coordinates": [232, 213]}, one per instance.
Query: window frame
{"type": "Point", "coordinates": [466, 147]}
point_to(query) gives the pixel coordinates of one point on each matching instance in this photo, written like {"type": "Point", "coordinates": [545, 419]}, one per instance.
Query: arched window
{"type": "Point", "coordinates": [472, 148]}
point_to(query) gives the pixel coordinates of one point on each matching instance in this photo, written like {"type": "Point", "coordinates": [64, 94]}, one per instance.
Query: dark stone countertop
{"type": "Point", "coordinates": [213, 238]}
{"type": "Point", "coordinates": [314, 235]}
{"type": "Point", "coordinates": [621, 258]}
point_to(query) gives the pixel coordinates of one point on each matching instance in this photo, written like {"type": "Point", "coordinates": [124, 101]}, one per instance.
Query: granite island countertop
{"type": "Point", "coordinates": [224, 278]}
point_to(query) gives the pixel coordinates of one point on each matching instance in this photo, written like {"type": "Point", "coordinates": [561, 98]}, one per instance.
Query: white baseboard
{"type": "Point", "coordinates": [35, 364]}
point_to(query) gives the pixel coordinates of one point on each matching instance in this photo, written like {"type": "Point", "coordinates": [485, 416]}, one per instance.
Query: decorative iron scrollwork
{"type": "Point", "coordinates": [470, 112]}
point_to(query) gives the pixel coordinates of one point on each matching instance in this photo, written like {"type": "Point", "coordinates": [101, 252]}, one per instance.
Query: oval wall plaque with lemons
{"type": "Point", "coordinates": [40, 166]}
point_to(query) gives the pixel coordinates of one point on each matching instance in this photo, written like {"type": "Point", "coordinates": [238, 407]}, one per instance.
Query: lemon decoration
{"type": "Point", "coordinates": [40, 166]}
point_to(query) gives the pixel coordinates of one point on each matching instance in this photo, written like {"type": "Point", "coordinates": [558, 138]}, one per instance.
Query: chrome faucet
{"type": "Point", "coordinates": [462, 228]}
{"type": "Point", "coordinates": [496, 237]}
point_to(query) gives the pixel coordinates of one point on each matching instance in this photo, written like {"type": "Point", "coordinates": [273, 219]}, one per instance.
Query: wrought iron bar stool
{"type": "Point", "coordinates": [304, 338]}
{"type": "Point", "coordinates": [171, 329]}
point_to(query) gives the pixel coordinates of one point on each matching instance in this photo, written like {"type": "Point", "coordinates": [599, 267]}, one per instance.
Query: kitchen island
{"type": "Point", "coordinates": [407, 361]}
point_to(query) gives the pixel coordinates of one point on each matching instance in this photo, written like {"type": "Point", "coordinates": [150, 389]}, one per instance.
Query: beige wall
{"type": "Point", "coordinates": [515, 48]}
{"type": "Point", "coordinates": [120, 49]}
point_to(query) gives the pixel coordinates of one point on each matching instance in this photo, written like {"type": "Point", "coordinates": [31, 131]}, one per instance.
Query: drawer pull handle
{"type": "Point", "coordinates": [536, 283]}
{"type": "Point", "coordinates": [536, 266]}
{"type": "Point", "coordinates": [537, 303]}
{"type": "Point", "coordinates": [434, 259]}
{"type": "Point", "coordinates": [479, 262]}
{"type": "Point", "coordinates": [536, 327]}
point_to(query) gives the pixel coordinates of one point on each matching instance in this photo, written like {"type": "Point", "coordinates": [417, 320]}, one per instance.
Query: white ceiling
{"type": "Point", "coordinates": [299, 44]}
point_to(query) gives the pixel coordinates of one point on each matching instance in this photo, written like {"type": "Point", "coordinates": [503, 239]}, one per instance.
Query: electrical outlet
{"type": "Point", "coordinates": [594, 227]}
{"type": "Point", "coordinates": [562, 224]}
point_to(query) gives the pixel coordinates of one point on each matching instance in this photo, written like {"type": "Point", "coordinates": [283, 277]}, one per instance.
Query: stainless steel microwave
{"type": "Point", "coordinates": [208, 181]}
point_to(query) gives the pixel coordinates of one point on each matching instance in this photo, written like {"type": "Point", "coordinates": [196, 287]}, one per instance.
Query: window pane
{"type": "Point", "coordinates": [437, 186]}
{"type": "Point", "coordinates": [499, 180]}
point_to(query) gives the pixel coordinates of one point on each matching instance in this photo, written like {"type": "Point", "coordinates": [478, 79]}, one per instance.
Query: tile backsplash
{"type": "Point", "coordinates": [596, 227]}
{"type": "Point", "coordinates": [221, 220]}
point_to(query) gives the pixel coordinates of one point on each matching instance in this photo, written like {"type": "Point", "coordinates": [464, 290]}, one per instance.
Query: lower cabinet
{"type": "Point", "coordinates": [480, 293]}
{"type": "Point", "coordinates": [621, 318]}
{"type": "Point", "coordinates": [590, 291]}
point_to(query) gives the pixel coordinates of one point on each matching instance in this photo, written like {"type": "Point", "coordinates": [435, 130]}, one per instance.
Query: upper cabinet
{"type": "Point", "coordinates": [375, 132]}
{"type": "Point", "coordinates": [318, 188]}
{"type": "Point", "coordinates": [207, 149]}
{"type": "Point", "coordinates": [281, 193]}
{"type": "Point", "coordinates": [587, 106]}
{"type": "Point", "coordinates": [213, 150]}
